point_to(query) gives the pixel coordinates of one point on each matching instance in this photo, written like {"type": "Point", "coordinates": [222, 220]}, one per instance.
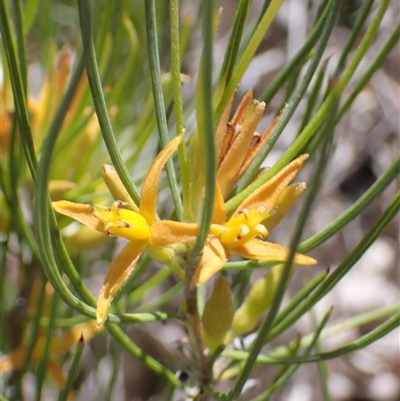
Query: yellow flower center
{"type": "Point", "coordinates": [242, 228]}
{"type": "Point", "coordinates": [123, 223]}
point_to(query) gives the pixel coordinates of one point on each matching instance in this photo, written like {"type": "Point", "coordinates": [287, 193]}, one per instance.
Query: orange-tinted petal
{"type": "Point", "coordinates": [268, 251]}
{"type": "Point", "coordinates": [79, 212]}
{"type": "Point", "coordinates": [268, 194]}
{"type": "Point", "coordinates": [87, 330]}
{"type": "Point", "coordinates": [260, 142]}
{"type": "Point", "coordinates": [168, 232]}
{"type": "Point", "coordinates": [148, 200]}
{"type": "Point", "coordinates": [285, 202]}
{"type": "Point", "coordinates": [120, 269]}
{"type": "Point", "coordinates": [236, 154]}
{"type": "Point", "coordinates": [214, 257]}
{"type": "Point", "coordinates": [219, 213]}
{"type": "Point", "coordinates": [222, 131]}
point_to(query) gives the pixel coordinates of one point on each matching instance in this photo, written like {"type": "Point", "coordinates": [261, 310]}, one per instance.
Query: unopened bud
{"type": "Point", "coordinates": [256, 303]}
{"type": "Point", "coordinates": [218, 314]}
{"type": "Point", "coordinates": [117, 189]}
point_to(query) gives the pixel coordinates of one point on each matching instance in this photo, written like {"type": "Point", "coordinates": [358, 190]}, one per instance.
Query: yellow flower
{"type": "Point", "coordinates": [140, 228]}
{"type": "Point", "coordinates": [244, 231]}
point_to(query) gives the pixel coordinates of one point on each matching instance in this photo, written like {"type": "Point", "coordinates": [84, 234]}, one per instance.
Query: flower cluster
{"type": "Point", "coordinates": [243, 233]}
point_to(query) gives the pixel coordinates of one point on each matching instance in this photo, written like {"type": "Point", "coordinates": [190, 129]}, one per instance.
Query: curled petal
{"type": "Point", "coordinates": [268, 251]}
{"type": "Point", "coordinates": [214, 257]}
{"type": "Point", "coordinates": [268, 194]}
{"type": "Point", "coordinates": [150, 184]}
{"type": "Point", "coordinates": [120, 269]}
{"type": "Point", "coordinates": [79, 212]}
{"type": "Point", "coordinates": [236, 153]}
{"type": "Point", "coordinates": [168, 232]}
{"type": "Point", "coordinates": [285, 202]}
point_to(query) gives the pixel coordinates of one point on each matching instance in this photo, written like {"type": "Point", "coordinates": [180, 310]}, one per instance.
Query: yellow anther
{"type": "Point", "coordinates": [243, 232]}
{"type": "Point", "coordinates": [252, 233]}
{"type": "Point", "coordinates": [262, 231]}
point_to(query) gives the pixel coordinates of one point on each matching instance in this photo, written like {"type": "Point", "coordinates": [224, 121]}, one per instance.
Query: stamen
{"type": "Point", "coordinates": [262, 231]}
{"type": "Point", "coordinates": [243, 232]}
{"type": "Point", "coordinates": [245, 212]}
{"type": "Point", "coordinates": [256, 139]}
{"type": "Point", "coordinates": [262, 209]}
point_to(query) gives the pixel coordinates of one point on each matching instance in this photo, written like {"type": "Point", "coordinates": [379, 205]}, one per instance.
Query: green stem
{"type": "Point", "coordinates": [353, 35]}
{"type": "Point", "coordinates": [147, 360]}
{"type": "Point", "coordinates": [342, 269]}
{"type": "Point", "coordinates": [48, 338]}
{"type": "Point", "coordinates": [315, 123]}
{"type": "Point", "coordinates": [72, 371]}
{"type": "Point", "coordinates": [152, 47]}
{"type": "Point", "coordinates": [286, 272]}
{"type": "Point", "coordinates": [289, 372]}
{"type": "Point", "coordinates": [234, 41]}
{"type": "Point", "coordinates": [294, 101]}
{"type": "Point", "coordinates": [363, 341]}
{"type": "Point", "coordinates": [356, 321]}
{"type": "Point", "coordinates": [21, 44]}
{"type": "Point", "coordinates": [18, 90]}
{"type": "Point", "coordinates": [178, 103]}
{"type": "Point", "coordinates": [366, 77]}
{"type": "Point", "coordinates": [354, 210]}
{"type": "Point", "coordinates": [298, 59]}
{"type": "Point", "coordinates": [85, 18]}
{"type": "Point", "coordinates": [248, 54]}
{"type": "Point", "coordinates": [205, 124]}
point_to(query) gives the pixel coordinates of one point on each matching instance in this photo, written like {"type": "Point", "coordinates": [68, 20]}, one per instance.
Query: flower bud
{"type": "Point", "coordinates": [116, 187]}
{"type": "Point", "coordinates": [256, 303]}
{"type": "Point", "coordinates": [218, 314]}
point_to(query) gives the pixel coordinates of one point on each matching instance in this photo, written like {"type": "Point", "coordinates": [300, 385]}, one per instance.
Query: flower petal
{"type": "Point", "coordinates": [222, 131]}
{"type": "Point", "coordinates": [237, 119]}
{"type": "Point", "coordinates": [267, 194]}
{"type": "Point", "coordinates": [236, 153]}
{"type": "Point", "coordinates": [168, 232]}
{"type": "Point", "coordinates": [120, 269]}
{"type": "Point", "coordinates": [285, 202]}
{"type": "Point", "coordinates": [260, 142]}
{"type": "Point", "coordinates": [150, 184]}
{"type": "Point", "coordinates": [214, 257]}
{"type": "Point", "coordinates": [268, 251]}
{"type": "Point", "coordinates": [219, 213]}
{"type": "Point", "coordinates": [80, 212]}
